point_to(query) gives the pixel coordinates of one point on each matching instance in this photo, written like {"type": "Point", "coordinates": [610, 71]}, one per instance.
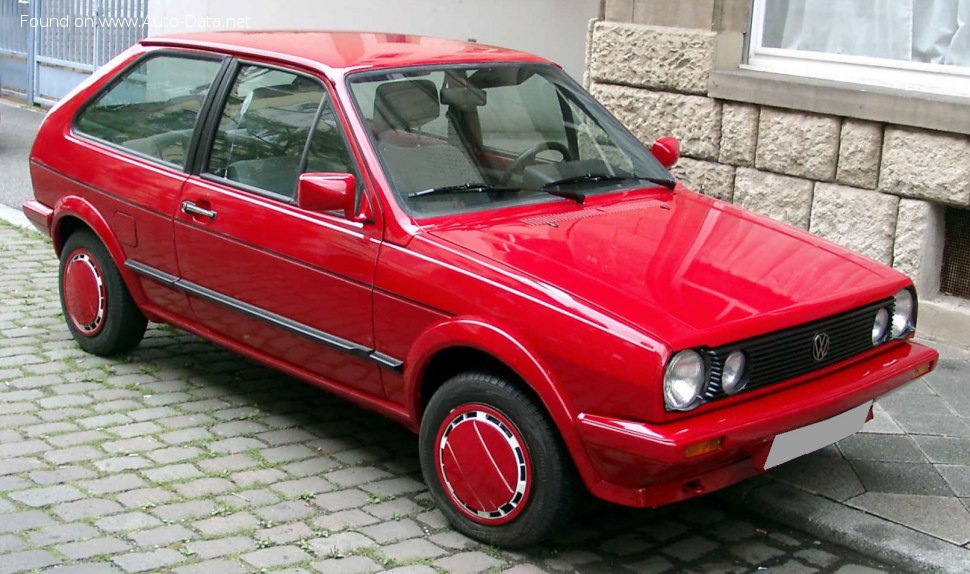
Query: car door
{"type": "Point", "coordinates": [291, 284]}
{"type": "Point", "coordinates": [133, 140]}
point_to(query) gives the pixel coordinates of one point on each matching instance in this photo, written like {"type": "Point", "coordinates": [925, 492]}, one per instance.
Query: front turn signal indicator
{"type": "Point", "coordinates": [703, 447]}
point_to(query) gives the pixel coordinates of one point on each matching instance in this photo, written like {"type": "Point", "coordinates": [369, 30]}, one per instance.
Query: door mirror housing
{"type": "Point", "coordinates": [328, 192]}
{"type": "Point", "coordinates": [667, 151]}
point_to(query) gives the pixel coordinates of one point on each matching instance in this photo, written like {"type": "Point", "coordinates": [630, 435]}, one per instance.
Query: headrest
{"type": "Point", "coordinates": [406, 104]}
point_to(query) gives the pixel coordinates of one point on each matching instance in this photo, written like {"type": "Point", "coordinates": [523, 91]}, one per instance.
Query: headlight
{"type": "Point", "coordinates": [903, 313]}
{"type": "Point", "coordinates": [684, 381]}
{"type": "Point", "coordinates": [732, 379]}
{"type": "Point", "coordinates": [880, 325]}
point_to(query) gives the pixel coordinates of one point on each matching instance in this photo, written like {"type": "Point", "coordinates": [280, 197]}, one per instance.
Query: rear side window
{"type": "Point", "coordinates": [264, 128]}
{"type": "Point", "coordinates": [153, 107]}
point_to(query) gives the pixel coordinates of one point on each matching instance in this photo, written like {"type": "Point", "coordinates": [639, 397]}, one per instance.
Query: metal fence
{"type": "Point", "coordinates": [49, 46]}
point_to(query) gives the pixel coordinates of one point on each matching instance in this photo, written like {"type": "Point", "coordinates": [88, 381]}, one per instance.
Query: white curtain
{"type": "Point", "coordinates": [931, 31]}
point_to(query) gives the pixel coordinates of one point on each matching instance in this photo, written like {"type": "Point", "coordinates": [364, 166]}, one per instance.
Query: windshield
{"type": "Point", "coordinates": [467, 138]}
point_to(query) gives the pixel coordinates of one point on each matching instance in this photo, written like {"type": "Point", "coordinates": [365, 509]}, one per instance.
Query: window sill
{"type": "Point", "coordinates": [880, 104]}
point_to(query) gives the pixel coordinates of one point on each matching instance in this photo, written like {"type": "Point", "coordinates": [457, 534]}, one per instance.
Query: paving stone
{"type": "Point", "coordinates": [940, 516]}
{"type": "Point", "coordinates": [755, 551]}
{"type": "Point", "coordinates": [10, 542]}
{"type": "Point", "coordinates": [162, 536]}
{"type": "Point", "coordinates": [203, 487]}
{"type": "Point", "coordinates": [900, 478]}
{"type": "Point", "coordinates": [126, 522]}
{"type": "Point", "coordinates": [348, 565]}
{"type": "Point", "coordinates": [881, 447]}
{"type": "Point", "coordinates": [690, 549]}
{"type": "Point", "coordinates": [27, 560]}
{"type": "Point", "coordinates": [144, 561]}
{"type": "Point", "coordinates": [61, 533]}
{"type": "Point", "coordinates": [212, 567]}
{"type": "Point", "coordinates": [344, 519]}
{"type": "Point", "coordinates": [356, 476]}
{"type": "Point", "coordinates": [174, 454]}
{"type": "Point", "coordinates": [285, 533]}
{"type": "Point", "coordinates": [47, 496]}
{"type": "Point", "coordinates": [144, 497]}
{"type": "Point", "coordinates": [115, 483]}
{"type": "Point", "coordinates": [341, 500]}
{"type": "Point", "coordinates": [122, 463]}
{"type": "Point", "coordinates": [286, 511]}
{"type": "Point", "coordinates": [957, 477]}
{"type": "Point", "coordinates": [94, 547]}
{"type": "Point", "coordinates": [393, 530]}
{"type": "Point", "coordinates": [468, 562]}
{"type": "Point", "coordinates": [249, 478]}
{"type": "Point", "coordinates": [21, 521]}
{"type": "Point", "coordinates": [341, 543]}
{"type": "Point", "coordinates": [416, 549]}
{"type": "Point", "coordinates": [278, 556]}
{"type": "Point", "coordinates": [221, 546]}
{"type": "Point", "coordinates": [945, 450]}
{"type": "Point", "coordinates": [61, 475]}
{"type": "Point", "coordinates": [86, 508]}
{"type": "Point", "coordinates": [396, 508]}
{"type": "Point", "coordinates": [219, 525]}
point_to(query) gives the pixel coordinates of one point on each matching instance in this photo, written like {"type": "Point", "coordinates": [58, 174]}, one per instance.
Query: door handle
{"type": "Point", "coordinates": [190, 208]}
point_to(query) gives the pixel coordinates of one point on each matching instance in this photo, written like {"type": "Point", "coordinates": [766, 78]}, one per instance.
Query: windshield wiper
{"type": "Point", "coordinates": [598, 177]}
{"type": "Point", "coordinates": [477, 187]}
{"type": "Point", "coordinates": [487, 187]}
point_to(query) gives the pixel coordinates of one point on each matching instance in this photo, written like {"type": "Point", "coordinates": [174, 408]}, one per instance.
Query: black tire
{"type": "Point", "coordinates": [552, 485]}
{"type": "Point", "coordinates": [118, 325]}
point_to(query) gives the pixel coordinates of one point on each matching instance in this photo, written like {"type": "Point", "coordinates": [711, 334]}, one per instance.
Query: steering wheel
{"type": "Point", "coordinates": [529, 155]}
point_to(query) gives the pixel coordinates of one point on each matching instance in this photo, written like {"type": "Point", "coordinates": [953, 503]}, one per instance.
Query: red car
{"type": "Point", "coordinates": [459, 237]}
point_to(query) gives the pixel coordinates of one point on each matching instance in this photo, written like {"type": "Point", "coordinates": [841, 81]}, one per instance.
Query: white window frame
{"type": "Point", "coordinates": [899, 74]}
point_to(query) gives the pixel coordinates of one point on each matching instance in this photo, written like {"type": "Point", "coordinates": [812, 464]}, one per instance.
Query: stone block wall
{"type": "Point", "coordinates": [875, 188]}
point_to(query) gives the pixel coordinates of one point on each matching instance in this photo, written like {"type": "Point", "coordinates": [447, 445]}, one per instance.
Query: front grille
{"type": "Point", "coordinates": [787, 354]}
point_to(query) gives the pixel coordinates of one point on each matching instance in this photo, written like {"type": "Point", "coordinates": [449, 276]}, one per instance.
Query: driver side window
{"type": "Point", "coordinates": [263, 129]}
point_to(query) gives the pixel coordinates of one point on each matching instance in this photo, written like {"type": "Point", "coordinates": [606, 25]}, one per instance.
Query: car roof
{"type": "Point", "coordinates": [344, 51]}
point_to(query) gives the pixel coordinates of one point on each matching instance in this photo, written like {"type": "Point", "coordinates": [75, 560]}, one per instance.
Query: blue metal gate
{"type": "Point", "coordinates": [49, 46]}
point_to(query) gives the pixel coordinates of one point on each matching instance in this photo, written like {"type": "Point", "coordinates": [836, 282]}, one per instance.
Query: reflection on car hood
{"type": "Point", "coordinates": [686, 268]}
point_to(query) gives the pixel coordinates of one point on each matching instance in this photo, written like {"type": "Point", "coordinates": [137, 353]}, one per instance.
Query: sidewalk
{"type": "Point", "coordinates": [902, 485]}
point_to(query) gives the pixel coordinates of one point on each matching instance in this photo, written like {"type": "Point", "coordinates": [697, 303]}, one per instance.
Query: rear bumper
{"type": "Point", "coordinates": [642, 464]}
{"type": "Point", "coordinates": [39, 215]}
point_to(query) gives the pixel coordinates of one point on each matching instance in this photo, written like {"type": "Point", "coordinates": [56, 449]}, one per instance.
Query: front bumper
{"type": "Point", "coordinates": [645, 465]}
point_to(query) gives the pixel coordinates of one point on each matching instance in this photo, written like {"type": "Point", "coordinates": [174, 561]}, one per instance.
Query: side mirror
{"type": "Point", "coordinates": [667, 151]}
{"type": "Point", "coordinates": [327, 192]}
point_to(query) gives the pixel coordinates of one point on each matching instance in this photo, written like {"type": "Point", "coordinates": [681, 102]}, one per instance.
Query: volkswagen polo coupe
{"type": "Point", "coordinates": [461, 238]}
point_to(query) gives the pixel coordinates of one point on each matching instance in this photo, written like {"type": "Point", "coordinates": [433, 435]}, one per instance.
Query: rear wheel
{"type": "Point", "coordinates": [494, 463]}
{"type": "Point", "coordinates": [99, 310]}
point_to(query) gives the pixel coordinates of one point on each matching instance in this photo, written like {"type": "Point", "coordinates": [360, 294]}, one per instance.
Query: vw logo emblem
{"type": "Point", "coordinates": [820, 346]}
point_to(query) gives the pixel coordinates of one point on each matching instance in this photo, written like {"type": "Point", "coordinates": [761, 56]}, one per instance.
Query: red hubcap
{"type": "Point", "coordinates": [84, 294]}
{"type": "Point", "coordinates": [483, 464]}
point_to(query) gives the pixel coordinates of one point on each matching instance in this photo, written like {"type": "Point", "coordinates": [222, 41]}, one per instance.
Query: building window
{"type": "Point", "coordinates": [921, 45]}
{"type": "Point", "coordinates": [955, 275]}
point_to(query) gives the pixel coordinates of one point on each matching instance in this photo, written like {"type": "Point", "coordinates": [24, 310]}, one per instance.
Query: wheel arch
{"type": "Point", "coordinates": [467, 344]}
{"type": "Point", "coordinates": [73, 214]}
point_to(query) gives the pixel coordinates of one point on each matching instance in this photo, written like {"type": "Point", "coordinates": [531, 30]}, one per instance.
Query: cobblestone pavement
{"type": "Point", "coordinates": [184, 457]}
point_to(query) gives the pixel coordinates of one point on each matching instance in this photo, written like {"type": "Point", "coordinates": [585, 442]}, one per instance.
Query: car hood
{"type": "Point", "coordinates": [685, 268]}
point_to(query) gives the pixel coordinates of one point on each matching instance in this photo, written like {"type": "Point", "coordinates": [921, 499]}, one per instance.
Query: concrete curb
{"type": "Point", "coordinates": [15, 217]}
{"type": "Point", "coordinates": [865, 533]}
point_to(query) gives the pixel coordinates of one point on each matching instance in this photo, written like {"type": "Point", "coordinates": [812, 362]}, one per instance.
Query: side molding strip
{"type": "Point", "coordinates": [258, 313]}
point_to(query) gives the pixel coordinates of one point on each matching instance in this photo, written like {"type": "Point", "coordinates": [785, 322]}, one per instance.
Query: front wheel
{"type": "Point", "coordinates": [493, 462]}
{"type": "Point", "coordinates": [99, 310]}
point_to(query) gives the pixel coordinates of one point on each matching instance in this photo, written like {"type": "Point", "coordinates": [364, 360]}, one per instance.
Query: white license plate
{"type": "Point", "coordinates": [794, 444]}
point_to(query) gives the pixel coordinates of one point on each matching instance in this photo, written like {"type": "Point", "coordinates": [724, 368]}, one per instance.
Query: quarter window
{"type": "Point", "coordinates": [264, 127]}
{"type": "Point", "coordinates": [153, 108]}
